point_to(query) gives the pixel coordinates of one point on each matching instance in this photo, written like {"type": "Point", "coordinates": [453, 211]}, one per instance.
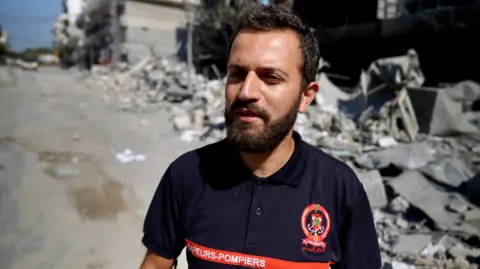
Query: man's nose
{"type": "Point", "coordinates": [250, 89]}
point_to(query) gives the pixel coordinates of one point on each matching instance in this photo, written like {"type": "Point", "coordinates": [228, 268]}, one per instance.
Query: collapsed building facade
{"type": "Point", "coordinates": [66, 35]}
{"type": "Point", "coordinates": [352, 34]}
{"type": "Point", "coordinates": [103, 32]}
{"type": "Point", "coordinates": [442, 32]}
{"type": "Point", "coordinates": [88, 31]}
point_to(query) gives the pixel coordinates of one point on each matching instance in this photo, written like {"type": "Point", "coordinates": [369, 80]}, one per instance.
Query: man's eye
{"type": "Point", "coordinates": [235, 77]}
{"type": "Point", "coordinates": [271, 79]}
{"type": "Point", "coordinates": [235, 74]}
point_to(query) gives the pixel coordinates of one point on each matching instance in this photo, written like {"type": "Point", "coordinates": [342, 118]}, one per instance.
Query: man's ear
{"type": "Point", "coordinates": [308, 94]}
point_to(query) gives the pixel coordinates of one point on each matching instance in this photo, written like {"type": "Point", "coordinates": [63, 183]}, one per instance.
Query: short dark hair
{"type": "Point", "coordinates": [268, 18]}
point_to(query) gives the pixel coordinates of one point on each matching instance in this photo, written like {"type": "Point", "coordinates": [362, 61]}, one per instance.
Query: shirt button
{"type": "Point", "coordinates": [258, 211]}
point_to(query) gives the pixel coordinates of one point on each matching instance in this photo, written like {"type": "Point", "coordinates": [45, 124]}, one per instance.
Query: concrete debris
{"type": "Point", "coordinates": [419, 192]}
{"type": "Point", "coordinates": [322, 121]}
{"type": "Point", "coordinates": [449, 171]}
{"type": "Point", "coordinates": [399, 205]}
{"type": "Point", "coordinates": [329, 93]}
{"type": "Point", "coordinates": [411, 243]}
{"type": "Point", "coordinates": [128, 156]}
{"type": "Point", "coordinates": [402, 70]}
{"type": "Point", "coordinates": [182, 122]}
{"type": "Point", "coordinates": [387, 141]}
{"type": "Point", "coordinates": [373, 183]}
{"type": "Point", "coordinates": [424, 189]}
{"type": "Point", "coordinates": [404, 157]}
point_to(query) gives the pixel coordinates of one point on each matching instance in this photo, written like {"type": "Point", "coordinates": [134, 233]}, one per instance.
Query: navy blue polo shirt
{"type": "Point", "coordinates": [312, 213]}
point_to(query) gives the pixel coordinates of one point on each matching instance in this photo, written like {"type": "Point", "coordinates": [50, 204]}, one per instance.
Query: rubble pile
{"type": "Point", "coordinates": [415, 149]}
{"type": "Point", "coordinates": [156, 82]}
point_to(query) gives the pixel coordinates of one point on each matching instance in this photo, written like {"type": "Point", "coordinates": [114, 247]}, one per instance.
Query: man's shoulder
{"type": "Point", "coordinates": [189, 171]}
{"type": "Point", "coordinates": [332, 169]}
{"type": "Point", "coordinates": [191, 160]}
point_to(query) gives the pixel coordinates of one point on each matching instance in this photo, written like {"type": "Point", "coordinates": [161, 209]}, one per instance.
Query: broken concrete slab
{"type": "Point", "coordinates": [411, 243]}
{"type": "Point", "coordinates": [339, 143]}
{"type": "Point", "coordinates": [403, 156]}
{"type": "Point", "coordinates": [459, 251]}
{"type": "Point", "coordinates": [449, 171]}
{"type": "Point", "coordinates": [398, 205]}
{"type": "Point", "coordinates": [386, 141]}
{"type": "Point", "coordinates": [456, 204]}
{"type": "Point", "coordinates": [470, 226]}
{"type": "Point", "coordinates": [417, 190]}
{"type": "Point", "coordinates": [330, 94]}
{"type": "Point", "coordinates": [373, 184]}
{"type": "Point", "coordinates": [407, 114]}
{"type": "Point", "coordinates": [182, 122]}
{"type": "Point", "coordinates": [449, 117]}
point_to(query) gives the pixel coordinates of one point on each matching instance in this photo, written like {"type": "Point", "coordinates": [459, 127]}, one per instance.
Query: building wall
{"type": "Point", "coordinates": [151, 25]}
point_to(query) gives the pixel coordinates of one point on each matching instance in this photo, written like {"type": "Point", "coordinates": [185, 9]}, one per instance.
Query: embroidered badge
{"type": "Point", "coordinates": [316, 226]}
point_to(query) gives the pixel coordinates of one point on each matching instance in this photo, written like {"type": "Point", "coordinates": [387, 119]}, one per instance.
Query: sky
{"type": "Point", "coordinates": [29, 22]}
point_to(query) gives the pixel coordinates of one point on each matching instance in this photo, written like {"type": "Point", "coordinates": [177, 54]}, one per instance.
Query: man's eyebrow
{"type": "Point", "coordinates": [262, 69]}
{"type": "Point", "coordinates": [235, 66]}
{"type": "Point", "coordinates": [273, 69]}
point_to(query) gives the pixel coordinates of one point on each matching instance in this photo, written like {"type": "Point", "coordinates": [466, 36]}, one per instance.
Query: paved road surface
{"type": "Point", "coordinates": [65, 201]}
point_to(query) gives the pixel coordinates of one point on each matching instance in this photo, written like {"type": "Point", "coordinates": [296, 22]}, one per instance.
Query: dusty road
{"type": "Point", "coordinates": [65, 201]}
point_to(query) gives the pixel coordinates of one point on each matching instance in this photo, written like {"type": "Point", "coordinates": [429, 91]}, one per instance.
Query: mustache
{"type": "Point", "coordinates": [238, 104]}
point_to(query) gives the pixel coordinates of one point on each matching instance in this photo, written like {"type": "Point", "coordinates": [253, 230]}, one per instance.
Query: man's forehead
{"type": "Point", "coordinates": [270, 49]}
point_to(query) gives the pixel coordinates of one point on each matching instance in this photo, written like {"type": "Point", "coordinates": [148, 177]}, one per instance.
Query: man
{"type": "Point", "coordinates": [263, 198]}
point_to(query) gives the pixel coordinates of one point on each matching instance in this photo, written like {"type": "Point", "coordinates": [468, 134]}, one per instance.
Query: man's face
{"type": "Point", "coordinates": [263, 92]}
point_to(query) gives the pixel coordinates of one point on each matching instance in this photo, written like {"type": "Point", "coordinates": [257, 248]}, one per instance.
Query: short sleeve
{"type": "Point", "coordinates": [162, 227]}
{"type": "Point", "coordinates": [359, 243]}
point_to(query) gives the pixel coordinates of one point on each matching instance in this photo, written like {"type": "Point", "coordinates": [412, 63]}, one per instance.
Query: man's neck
{"type": "Point", "coordinates": [266, 164]}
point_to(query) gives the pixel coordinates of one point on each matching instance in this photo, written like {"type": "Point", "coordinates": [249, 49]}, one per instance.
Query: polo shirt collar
{"type": "Point", "coordinates": [290, 173]}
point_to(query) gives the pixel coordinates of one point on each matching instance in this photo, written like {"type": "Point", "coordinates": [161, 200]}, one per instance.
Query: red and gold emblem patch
{"type": "Point", "coordinates": [316, 226]}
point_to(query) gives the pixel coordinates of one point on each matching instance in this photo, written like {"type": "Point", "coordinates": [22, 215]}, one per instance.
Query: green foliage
{"type": "Point", "coordinates": [34, 52]}
{"type": "Point", "coordinates": [3, 49]}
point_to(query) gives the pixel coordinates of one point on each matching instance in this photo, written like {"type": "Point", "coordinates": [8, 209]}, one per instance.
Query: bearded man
{"type": "Point", "coordinates": [262, 197]}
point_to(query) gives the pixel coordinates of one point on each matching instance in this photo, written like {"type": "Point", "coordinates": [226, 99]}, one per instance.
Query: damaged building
{"type": "Point", "coordinates": [150, 27]}
{"type": "Point", "coordinates": [103, 33]}
{"type": "Point", "coordinates": [442, 32]}
{"type": "Point", "coordinates": [352, 34]}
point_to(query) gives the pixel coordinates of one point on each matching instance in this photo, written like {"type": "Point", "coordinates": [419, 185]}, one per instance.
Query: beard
{"type": "Point", "coordinates": [246, 137]}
